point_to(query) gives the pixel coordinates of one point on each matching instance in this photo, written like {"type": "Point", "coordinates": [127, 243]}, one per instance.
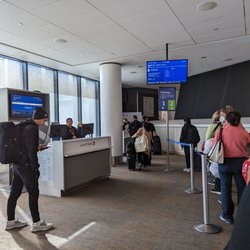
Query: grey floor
{"type": "Point", "coordinates": [130, 210]}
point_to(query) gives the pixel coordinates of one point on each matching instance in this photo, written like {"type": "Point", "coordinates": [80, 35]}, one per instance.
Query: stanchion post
{"type": "Point", "coordinates": [192, 189]}
{"type": "Point", "coordinates": [206, 227]}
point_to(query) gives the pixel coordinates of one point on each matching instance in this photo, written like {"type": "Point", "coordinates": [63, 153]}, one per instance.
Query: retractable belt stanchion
{"type": "Point", "coordinates": [192, 189]}
{"type": "Point", "coordinates": [206, 227]}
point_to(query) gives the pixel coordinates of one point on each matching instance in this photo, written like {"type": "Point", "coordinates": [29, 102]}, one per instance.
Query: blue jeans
{"type": "Point", "coordinates": [231, 167]}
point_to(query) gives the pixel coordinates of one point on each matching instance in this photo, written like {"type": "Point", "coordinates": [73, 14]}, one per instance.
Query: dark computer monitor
{"type": "Point", "coordinates": [57, 131]}
{"type": "Point", "coordinates": [87, 129]}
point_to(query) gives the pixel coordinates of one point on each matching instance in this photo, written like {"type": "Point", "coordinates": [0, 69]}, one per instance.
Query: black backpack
{"type": "Point", "coordinates": [10, 149]}
{"type": "Point", "coordinates": [193, 135]}
{"type": "Point", "coordinates": [130, 148]}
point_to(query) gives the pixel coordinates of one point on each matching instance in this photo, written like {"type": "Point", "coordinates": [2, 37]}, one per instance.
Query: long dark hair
{"type": "Point", "coordinates": [146, 126]}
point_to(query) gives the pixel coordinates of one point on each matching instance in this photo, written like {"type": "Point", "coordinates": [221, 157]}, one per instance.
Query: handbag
{"type": "Point", "coordinates": [216, 154]}
{"type": "Point", "coordinates": [141, 143]}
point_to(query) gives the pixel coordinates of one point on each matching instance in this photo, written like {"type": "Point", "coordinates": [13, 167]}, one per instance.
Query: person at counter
{"type": "Point", "coordinates": [71, 131]}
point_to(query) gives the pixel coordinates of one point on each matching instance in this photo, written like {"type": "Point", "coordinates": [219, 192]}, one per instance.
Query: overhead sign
{"type": "Point", "coordinates": [167, 99]}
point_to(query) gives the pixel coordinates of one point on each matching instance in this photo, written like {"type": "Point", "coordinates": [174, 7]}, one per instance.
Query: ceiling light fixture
{"type": "Point", "coordinates": [19, 24]}
{"type": "Point", "coordinates": [207, 6]}
{"type": "Point", "coordinates": [203, 57]}
{"type": "Point", "coordinates": [60, 40]}
{"type": "Point", "coordinates": [140, 66]}
{"type": "Point", "coordinates": [133, 72]}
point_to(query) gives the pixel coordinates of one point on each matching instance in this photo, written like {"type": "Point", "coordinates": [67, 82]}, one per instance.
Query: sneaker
{"type": "Point", "coordinates": [211, 181]}
{"type": "Point", "coordinates": [186, 170]}
{"type": "Point", "coordinates": [41, 226]}
{"type": "Point", "coordinates": [215, 191]}
{"type": "Point", "coordinates": [15, 224]}
{"type": "Point", "coordinates": [227, 220]}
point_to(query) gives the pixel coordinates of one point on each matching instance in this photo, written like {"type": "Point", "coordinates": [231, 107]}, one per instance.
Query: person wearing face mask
{"type": "Point", "coordinates": [224, 112]}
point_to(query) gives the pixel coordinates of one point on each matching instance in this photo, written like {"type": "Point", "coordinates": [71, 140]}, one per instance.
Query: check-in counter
{"type": "Point", "coordinates": [71, 164]}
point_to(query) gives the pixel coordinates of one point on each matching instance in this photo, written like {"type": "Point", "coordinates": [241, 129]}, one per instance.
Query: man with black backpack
{"type": "Point", "coordinates": [189, 134]}
{"type": "Point", "coordinates": [26, 173]}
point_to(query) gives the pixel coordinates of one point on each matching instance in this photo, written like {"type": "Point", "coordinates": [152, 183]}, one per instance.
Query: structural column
{"type": "Point", "coordinates": [111, 107]}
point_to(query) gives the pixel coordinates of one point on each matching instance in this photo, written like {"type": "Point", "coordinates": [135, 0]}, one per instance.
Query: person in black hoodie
{"type": "Point", "coordinates": [26, 173]}
{"type": "Point", "coordinates": [189, 134]}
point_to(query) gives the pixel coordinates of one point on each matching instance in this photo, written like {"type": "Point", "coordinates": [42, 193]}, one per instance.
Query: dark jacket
{"type": "Point", "coordinates": [133, 127]}
{"type": "Point", "coordinates": [190, 134]}
{"type": "Point", "coordinates": [29, 137]}
{"type": "Point", "coordinates": [240, 239]}
{"type": "Point", "coordinates": [70, 132]}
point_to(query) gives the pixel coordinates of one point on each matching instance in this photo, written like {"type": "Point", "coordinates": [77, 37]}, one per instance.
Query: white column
{"type": "Point", "coordinates": [111, 106]}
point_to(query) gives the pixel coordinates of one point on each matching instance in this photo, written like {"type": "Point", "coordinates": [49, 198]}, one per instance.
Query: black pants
{"type": "Point", "coordinates": [187, 156]}
{"type": "Point", "coordinates": [24, 176]}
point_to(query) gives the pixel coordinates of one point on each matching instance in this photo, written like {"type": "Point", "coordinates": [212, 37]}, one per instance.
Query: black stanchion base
{"type": "Point", "coordinates": [193, 191]}
{"type": "Point", "coordinates": [208, 228]}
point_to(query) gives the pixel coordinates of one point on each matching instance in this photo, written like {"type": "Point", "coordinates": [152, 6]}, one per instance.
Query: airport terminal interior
{"type": "Point", "coordinates": [99, 64]}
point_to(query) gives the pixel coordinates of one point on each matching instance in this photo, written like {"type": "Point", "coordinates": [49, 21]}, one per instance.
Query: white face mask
{"type": "Point", "coordinates": [222, 119]}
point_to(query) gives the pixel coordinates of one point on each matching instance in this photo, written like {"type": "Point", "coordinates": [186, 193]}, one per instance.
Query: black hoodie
{"type": "Point", "coordinates": [29, 144]}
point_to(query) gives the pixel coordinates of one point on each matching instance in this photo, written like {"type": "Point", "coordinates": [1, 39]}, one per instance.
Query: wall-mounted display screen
{"type": "Point", "coordinates": [167, 72]}
{"type": "Point", "coordinates": [21, 106]}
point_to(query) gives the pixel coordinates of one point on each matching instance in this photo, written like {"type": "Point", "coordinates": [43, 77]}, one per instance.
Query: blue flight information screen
{"type": "Point", "coordinates": [22, 106]}
{"type": "Point", "coordinates": [171, 71]}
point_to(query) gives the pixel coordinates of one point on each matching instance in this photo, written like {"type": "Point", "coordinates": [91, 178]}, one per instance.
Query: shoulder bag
{"type": "Point", "coordinates": [141, 143]}
{"type": "Point", "coordinates": [216, 153]}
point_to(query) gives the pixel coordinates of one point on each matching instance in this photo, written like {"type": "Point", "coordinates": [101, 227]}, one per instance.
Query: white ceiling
{"type": "Point", "coordinates": [129, 32]}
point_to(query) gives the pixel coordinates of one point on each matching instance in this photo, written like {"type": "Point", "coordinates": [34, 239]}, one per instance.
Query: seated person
{"type": "Point", "coordinates": [79, 129]}
{"type": "Point", "coordinates": [71, 132]}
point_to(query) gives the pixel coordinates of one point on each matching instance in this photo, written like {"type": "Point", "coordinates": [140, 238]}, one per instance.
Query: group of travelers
{"type": "Point", "coordinates": [227, 127]}
{"type": "Point", "coordinates": [138, 129]}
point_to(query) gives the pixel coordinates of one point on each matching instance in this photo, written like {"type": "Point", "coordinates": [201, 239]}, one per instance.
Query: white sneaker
{"type": "Point", "coordinates": [15, 224]}
{"type": "Point", "coordinates": [41, 226]}
{"type": "Point", "coordinates": [186, 170]}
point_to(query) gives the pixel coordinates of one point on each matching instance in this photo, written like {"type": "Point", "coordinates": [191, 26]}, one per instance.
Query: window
{"type": "Point", "coordinates": [67, 86]}
{"type": "Point", "coordinates": [42, 79]}
{"type": "Point", "coordinates": [89, 102]}
{"type": "Point", "coordinates": [10, 74]}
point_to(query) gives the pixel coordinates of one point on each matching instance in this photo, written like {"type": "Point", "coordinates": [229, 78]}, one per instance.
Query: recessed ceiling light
{"type": "Point", "coordinates": [60, 40]}
{"type": "Point", "coordinates": [203, 57]}
{"type": "Point", "coordinates": [207, 6]}
{"type": "Point", "coordinates": [228, 60]}
{"type": "Point", "coordinates": [19, 24]}
{"type": "Point", "coordinates": [140, 66]}
{"type": "Point", "coordinates": [133, 72]}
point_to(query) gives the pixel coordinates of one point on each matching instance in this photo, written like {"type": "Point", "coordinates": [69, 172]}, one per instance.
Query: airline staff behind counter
{"type": "Point", "coordinates": [71, 132]}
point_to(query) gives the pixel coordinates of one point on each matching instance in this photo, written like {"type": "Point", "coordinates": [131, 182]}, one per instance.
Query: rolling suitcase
{"type": "Point", "coordinates": [156, 141]}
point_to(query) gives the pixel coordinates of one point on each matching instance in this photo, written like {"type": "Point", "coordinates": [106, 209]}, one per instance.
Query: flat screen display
{"type": "Point", "coordinates": [21, 106]}
{"type": "Point", "coordinates": [167, 72]}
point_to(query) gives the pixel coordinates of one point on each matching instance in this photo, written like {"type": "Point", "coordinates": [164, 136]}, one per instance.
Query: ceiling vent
{"type": "Point", "coordinates": [207, 6]}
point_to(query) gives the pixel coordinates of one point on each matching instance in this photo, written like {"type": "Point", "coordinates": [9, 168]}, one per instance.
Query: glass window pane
{"type": "Point", "coordinates": [89, 100]}
{"type": "Point", "coordinates": [67, 85]}
{"type": "Point", "coordinates": [10, 74]}
{"type": "Point", "coordinates": [42, 79]}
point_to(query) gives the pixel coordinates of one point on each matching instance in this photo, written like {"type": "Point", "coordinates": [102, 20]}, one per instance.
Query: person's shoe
{"type": "Point", "coordinates": [227, 220]}
{"type": "Point", "coordinates": [145, 169]}
{"type": "Point", "coordinates": [41, 226]}
{"type": "Point", "coordinates": [15, 224]}
{"type": "Point", "coordinates": [219, 200]}
{"type": "Point", "coordinates": [211, 181]}
{"type": "Point", "coordinates": [186, 170]}
{"type": "Point", "coordinates": [215, 191]}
